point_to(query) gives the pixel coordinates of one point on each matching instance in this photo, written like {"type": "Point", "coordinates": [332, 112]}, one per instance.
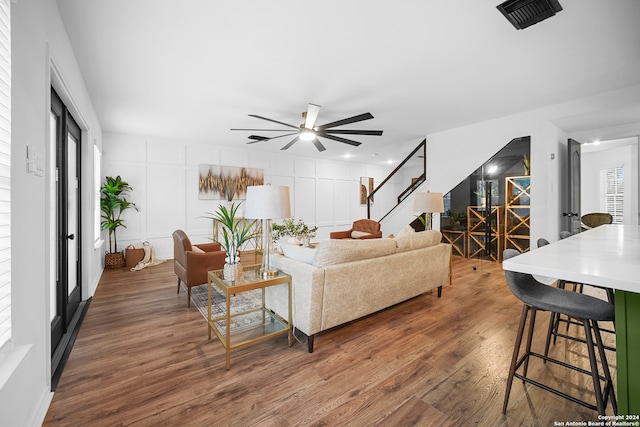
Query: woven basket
{"type": "Point", "coordinates": [114, 260]}
{"type": "Point", "coordinates": [133, 257]}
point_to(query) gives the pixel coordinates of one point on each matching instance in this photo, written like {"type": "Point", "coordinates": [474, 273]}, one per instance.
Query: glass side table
{"type": "Point", "coordinates": [249, 324]}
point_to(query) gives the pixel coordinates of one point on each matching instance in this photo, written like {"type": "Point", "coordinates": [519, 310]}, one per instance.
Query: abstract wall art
{"type": "Point", "coordinates": [366, 188]}
{"type": "Point", "coordinates": [227, 182]}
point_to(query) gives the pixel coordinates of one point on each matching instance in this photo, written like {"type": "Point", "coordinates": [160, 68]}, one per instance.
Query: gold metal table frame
{"type": "Point", "coordinates": [264, 322]}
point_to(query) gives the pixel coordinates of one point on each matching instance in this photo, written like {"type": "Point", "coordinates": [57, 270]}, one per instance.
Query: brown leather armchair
{"type": "Point", "coordinates": [191, 266]}
{"type": "Point", "coordinates": [369, 226]}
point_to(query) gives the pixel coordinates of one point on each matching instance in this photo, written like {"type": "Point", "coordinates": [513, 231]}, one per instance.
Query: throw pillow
{"type": "Point", "coordinates": [299, 253]}
{"type": "Point", "coordinates": [407, 231]}
{"type": "Point", "coordinates": [355, 234]}
{"type": "Point", "coordinates": [404, 239]}
{"type": "Point", "coordinates": [194, 248]}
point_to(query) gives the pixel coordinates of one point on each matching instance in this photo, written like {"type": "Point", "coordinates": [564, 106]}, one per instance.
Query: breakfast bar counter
{"type": "Point", "coordinates": [606, 256]}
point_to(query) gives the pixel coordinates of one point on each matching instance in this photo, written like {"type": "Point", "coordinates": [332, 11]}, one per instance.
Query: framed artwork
{"type": "Point", "coordinates": [366, 188]}
{"type": "Point", "coordinates": [227, 182]}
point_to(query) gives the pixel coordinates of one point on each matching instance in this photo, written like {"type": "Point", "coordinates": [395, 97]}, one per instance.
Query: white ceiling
{"type": "Point", "coordinates": [193, 69]}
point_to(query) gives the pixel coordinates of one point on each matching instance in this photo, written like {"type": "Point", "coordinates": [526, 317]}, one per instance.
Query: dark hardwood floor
{"type": "Point", "coordinates": [143, 358]}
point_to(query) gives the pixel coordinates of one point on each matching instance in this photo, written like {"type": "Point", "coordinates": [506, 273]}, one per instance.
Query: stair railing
{"type": "Point", "coordinates": [420, 152]}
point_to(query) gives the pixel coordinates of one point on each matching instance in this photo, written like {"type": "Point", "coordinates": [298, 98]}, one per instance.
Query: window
{"type": "Point", "coordinates": [613, 193]}
{"type": "Point", "coordinates": [97, 158]}
{"type": "Point", "coordinates": [5, 173]}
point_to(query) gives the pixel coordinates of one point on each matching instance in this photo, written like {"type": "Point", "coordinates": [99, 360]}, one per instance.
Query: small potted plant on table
{"type": "Point", "coordinates": [235, 233]}
{"type": "Point", "coordinates": [300, 232]}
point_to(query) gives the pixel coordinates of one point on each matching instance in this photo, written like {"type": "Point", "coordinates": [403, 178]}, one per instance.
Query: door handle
{"type": "Point", "coordinates": [71, 236]}
{"type": "Point", "coordinates": [570, 214]}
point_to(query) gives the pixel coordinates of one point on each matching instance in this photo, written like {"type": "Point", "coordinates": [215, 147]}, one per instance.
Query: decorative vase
{"type": "Point", "coordinates": [293, 241]}
{"type": "Point", "coordinates": [232, 271]}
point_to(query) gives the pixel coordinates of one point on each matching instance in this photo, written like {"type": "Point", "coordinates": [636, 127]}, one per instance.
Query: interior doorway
{"type": "Point", "coordinates": [609, 177]}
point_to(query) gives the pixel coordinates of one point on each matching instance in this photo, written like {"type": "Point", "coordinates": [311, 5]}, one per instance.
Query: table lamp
{"type": "Point", "coordinates": [266, 202]}
{"type": "Point", "coordinates": [428, 203]}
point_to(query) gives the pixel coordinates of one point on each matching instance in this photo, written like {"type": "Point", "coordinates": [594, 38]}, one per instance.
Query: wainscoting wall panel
{"type": "Point", "coordinates": [164, 176]}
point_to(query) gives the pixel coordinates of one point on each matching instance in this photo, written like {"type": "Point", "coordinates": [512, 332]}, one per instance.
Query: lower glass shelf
{"type": "Point", "coordinates": [249, 327]}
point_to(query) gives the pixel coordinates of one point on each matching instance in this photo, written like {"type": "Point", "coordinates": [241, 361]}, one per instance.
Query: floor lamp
{"type": "Point", "coordinates": [428, 203]}
{"type": "Point", "coordinates": [266, 202]}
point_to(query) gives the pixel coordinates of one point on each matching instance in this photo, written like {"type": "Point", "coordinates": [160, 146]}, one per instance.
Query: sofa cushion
{"type": "Point", "coordinates": [299, 253]}
{"type": "Point", "coordinates": [333, 251]}
{"type": "Point", "coordinates": [408, 240]}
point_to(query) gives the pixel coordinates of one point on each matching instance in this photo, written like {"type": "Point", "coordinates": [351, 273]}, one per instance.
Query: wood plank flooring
{"type": "Point", "coordinates": [143, 358]}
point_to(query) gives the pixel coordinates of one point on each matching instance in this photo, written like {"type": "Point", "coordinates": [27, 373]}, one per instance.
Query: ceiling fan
{"type": "Point", "coordinates": [308, 131]}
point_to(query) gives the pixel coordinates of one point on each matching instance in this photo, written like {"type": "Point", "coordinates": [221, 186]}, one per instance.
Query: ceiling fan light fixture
{"type": "Point", "coordinates": [308, 131]}
{"type": "Point", "coordinates": [307, 135]}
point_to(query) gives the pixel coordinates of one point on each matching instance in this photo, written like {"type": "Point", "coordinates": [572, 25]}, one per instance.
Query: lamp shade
{"type": "Point", "coordinates": [428, 202]}
{"type": "Point", "coordinates": [267, 202]}
{"type": "Point", "coordinates": [285, 202]}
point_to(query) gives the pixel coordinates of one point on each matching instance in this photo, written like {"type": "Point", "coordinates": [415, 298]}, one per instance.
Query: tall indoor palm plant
{"type": "Point", "coordinates": [113, 203]}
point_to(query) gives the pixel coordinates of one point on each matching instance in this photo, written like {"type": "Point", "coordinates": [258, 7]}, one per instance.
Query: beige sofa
{"type": "Point", "coordinates": [343, 280]}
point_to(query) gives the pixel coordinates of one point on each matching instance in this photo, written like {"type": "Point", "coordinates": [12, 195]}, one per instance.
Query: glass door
{"type": "Point", "coordinates": [65, 295]}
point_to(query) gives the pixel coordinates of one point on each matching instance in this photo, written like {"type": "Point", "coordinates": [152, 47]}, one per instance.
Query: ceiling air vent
{"type": "Point", "coordinates": [524, 13]}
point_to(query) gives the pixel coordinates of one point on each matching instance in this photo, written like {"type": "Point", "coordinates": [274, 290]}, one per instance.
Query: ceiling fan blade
{"type": "Point", "coordinates": [311, 116]}
{"type": "Point", "coordinates": [339, 139]}
{"type": "Point", "coordinates": [354, 132]}
{"type": "Point", "coordinates": [259, 138]}
{"type": "Point", "coordinates": [293, 141]}
{"type": "Point", "coordinates": [318, 144]}
{"type": "Point", "coordinates": [358, 118]}
{"type": "Point", "coordinates": [274, 121]}
{"type": "Point", "coordinates": [265, 130]}
{"type": "Point", "coordinates": [265, 138]}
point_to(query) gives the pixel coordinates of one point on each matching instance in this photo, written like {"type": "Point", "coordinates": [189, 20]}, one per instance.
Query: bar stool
{"type": "Point", "coordinates": [564, 234]}
{"type": "Point", "coordinates": [556, 318]}
{"type": "Point", "coordinates": [539, 297]}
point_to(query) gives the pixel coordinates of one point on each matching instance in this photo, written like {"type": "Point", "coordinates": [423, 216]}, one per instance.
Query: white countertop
{"type": "Point", "coordinates": [607, 256]}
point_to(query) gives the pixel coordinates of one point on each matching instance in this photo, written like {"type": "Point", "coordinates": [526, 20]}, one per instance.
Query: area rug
{"type": "Point", "coordinates": [239, 302]}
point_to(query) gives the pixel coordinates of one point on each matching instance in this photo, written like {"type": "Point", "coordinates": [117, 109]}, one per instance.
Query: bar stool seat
{"type": "Point", "coordinates": [539, 297]}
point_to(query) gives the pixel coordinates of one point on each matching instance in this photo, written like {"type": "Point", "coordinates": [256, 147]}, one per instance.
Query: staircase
{"type": "Point", "coordinates": [392, 201]}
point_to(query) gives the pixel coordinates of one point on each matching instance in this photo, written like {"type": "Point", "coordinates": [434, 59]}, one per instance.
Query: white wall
{"type": "Point", "coordinates": [326, 193]}
{"type": "Point", "coordinates": [39, 41]}
{"type": "Point", "coordinates": [164, 177]}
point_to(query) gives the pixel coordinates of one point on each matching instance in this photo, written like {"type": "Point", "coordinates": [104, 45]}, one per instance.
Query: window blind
{"type": "Point", "coordinates": [613, 195]}
{"type": "Point", "coordinates": [5, 173]}
{"type": "Point", "coordinates": [97, 159]}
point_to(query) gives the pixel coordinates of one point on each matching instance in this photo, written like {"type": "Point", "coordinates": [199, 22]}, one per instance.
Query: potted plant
{"type": "Point", "coordinates": [113, 203]}
{"type": "Point", "coordinates": [235, 233]}
{"type": "Point", "coordinates": [299, 231]}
